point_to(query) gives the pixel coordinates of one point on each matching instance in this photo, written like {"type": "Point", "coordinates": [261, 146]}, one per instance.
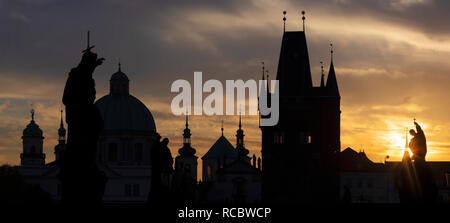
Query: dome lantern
{"type": "Point", "coordinates": [119, 83]}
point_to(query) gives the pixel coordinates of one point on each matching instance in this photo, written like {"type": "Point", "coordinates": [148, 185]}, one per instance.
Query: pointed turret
{"type": "Point", "coordinates": [322, 77]}
{"type": "Point", "coordinates": [186, 150]}
{"type": "Point", "coordinates": [332, 85]}
{"type": "Point", "coordinates": [242, 151]}
{"type": "Point", "coordinates": [61, 139]}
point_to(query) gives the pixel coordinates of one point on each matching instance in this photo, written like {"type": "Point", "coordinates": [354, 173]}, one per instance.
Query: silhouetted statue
{"type": "Point", "coordinates": [418, 144]}
{"type": "Point", "coordinates": [416, 183]}
{"type": "Point", "coordinates": [81, 179]}
{"type": "Point", "coordinates": [162, 169]}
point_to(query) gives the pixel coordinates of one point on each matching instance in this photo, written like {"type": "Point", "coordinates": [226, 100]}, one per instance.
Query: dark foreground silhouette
{"type": "Point", "coordinates": [81, 179]}
{"type": "Point", "coordinates": [416, 183]}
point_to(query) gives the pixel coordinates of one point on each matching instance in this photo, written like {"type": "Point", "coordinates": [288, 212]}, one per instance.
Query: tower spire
{"type": "Point", "coordinates": [61, 125]}
{"type": "Point", "coordinates": [222, 127]}
{"type": "Point", "coordinates": [322, 78]}
{"type": "Point", "coordinates": [120, 66]}
{"type": "Point", "coordinates": [187, 122]}
{"type": "Point", "coordinates": [240, 120]}
{"type": "Point", "coordinates": [303, 20]}
{"type": "Point", "coordinates": [284, 21]}
{"type": "Point", "coordinates": [331, 51]}
{"type": "Point", "coordinates": [332, 80]}
{"type": "Point", "coordinates": [263, 70]}
{"type": "Point", "coordinates": [267, 74]}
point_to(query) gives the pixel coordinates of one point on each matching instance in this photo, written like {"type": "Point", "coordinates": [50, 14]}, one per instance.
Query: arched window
{"type": "Point", "coordinates": [112, 152]}
{"type": "Point", "coordinates": [138, 152]}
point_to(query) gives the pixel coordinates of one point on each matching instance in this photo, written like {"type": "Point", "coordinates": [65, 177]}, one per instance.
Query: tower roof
{"type": "Point", "coordinates": [32, 129]}
{"type": "Point", "coordinates": [294, 73]}
{"type": "Point", "coordinates": [61, 130]}
{"type": "Point", "coordinates": [332, 81]}
{"type": "Point", "coordinates": [221, 148]}
{"type": "Point", "coordinates": [332, 85]}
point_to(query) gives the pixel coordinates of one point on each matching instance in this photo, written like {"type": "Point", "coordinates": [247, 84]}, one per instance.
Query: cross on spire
{"type": "Point", "coordinates": [88, 47]}
{"type": "Point", "coordinates": [222, 127]}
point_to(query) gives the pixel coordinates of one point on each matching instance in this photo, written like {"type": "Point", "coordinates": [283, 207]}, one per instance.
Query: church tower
{"type": "Point", "coordinates": [186, 160]}
{"type": "Point", "coordinates": [61, 139]}
{"type": "Point", "coordinates": [32, 141]}
{"type": "Point", "coordinates": [300, 154]}
{"type": "Point", "coordinates": [242, 151]}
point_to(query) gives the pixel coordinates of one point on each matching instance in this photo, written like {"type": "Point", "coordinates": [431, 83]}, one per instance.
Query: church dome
{"type": "Point", "coordinates": [123, 112]}
{"type": "Point", "coordinates": [119, 75]}
{"type": "Point", "coordinates": [32, 129]}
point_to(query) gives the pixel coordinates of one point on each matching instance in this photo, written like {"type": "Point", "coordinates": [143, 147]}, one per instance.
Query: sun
{"type": "Point", "coordinates": [397, 141]}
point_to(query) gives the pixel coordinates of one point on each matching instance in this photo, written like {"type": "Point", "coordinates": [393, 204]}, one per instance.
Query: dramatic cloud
{"type": "Point", "coordinates": [391, 59]}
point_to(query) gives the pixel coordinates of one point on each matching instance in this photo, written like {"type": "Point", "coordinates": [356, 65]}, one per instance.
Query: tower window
{"type": "Point", "coordinates": [112, 152]}
{"type": "Point", "coordinates": [309, 139]}
{"type": "Point", "coordinates": [138, 152]}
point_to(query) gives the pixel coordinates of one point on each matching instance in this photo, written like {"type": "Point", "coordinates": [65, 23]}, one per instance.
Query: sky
{"type": "Point", "coordinates": [391, 59]}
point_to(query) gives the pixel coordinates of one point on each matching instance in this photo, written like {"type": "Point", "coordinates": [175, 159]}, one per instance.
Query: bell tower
{"type": "Point", "coordinates": [32, 141]}
{"type": "Point", "coordinates": [186, 160]}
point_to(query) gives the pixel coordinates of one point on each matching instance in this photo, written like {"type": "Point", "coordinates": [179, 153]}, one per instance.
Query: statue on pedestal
{"type": "Point", "coordinates": [81, 179]}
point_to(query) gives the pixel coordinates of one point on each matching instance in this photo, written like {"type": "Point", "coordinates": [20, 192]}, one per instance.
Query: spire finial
{"type": "Point", "coordinates": [222, 127]}
{"type": "Point", "coordinates": [120, 66]}
{"type": "Point", "coordinates": [284, 21]}
{"type": "Point", "coordinates": [32, 114]}
{"type": "Point", "coordinates": [267, 74]}
{"type": "Point", "coordinates": [187, 115]}
{"type": "Point", "coordinates": [263, 69]}
{"type": "Point", "coordinates": [322, 77]}
{"type": "Point", "coordinates": [61, 117]}
{"type": "Point", "coordinates": [331, 51]}
{"type": "Point", "coordinates": [303, 19]}
{"type": "Point", "coordinates": [240, 118]}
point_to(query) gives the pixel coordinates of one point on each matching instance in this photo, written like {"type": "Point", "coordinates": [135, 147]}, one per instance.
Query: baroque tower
{"type": "Point", "coordinates": [32, 141]}
{"type": "Point", "coordinates": [300, 153]}
{"type": "Point", "coordinates": [186, 160]}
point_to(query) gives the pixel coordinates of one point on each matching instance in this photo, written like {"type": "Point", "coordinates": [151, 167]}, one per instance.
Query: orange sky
{"type": "Point", "coordinates": [389, 69]}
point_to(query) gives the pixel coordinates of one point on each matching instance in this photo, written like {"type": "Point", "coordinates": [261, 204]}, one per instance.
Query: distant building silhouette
{"type": "Point", "coordinates": [33, 141]}
{"type": "Point", "coordinates": [228, 175]}
{"type": "Point", "coordinates": [300, 154]}
{"type": "Point", "coordinates": [125, 143]}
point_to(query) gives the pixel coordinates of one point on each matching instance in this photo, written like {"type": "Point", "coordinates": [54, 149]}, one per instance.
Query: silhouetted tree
{"type": "Point", "coordinates": [13, 190]}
